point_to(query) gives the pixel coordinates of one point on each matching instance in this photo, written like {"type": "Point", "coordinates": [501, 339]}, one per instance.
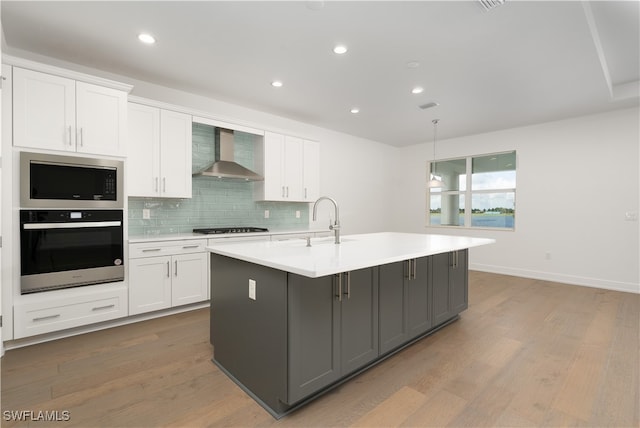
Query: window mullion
{"type": "Point", "coordinates": [467, 195]}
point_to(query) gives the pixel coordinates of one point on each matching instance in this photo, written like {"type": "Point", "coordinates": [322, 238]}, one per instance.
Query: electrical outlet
{"type": "Point", "coordinates": [266, 213]}
{"type": "Point", "coordinates": [297, 214]}
{"type": "Point", "coordinates": [146, 213]}
{"type": "Point", "coordinates": [252, 289]}
{"type": "Point", "coordinates": [631, 216]}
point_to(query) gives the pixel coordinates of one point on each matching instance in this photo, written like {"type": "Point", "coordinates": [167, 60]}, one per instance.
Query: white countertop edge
{"type": "Point", "coordinates": [239, 251]}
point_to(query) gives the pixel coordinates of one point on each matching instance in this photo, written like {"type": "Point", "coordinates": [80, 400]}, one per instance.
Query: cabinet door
{"type": "Point", "coordinates": [359, 319]}
{"type": "Point", "coordinates": [459, 281]}
{"type": "Point", "coordinates": [419, 299]}
{"type": "Point", "coordinates": [175, 154]}
{"type": "Point", "coordinates": [393, 325]}
{"type": "Point", "coordinates": [44, 108]}
{"type": "Point", "coordinates": [189, 280]}
{"type": "Point", "coordinates": [314, 335]}
{"type": "Point", "coordinates": [149, 284]}
{"type": "Point", "coordinates": [274, 189]}
{"type": "Point", "coordinates": [143, 154]}
{"type": "Point", "coordinates": [440, 288]}
{"type": "Point", "coordinates": [311, 173]}
{"type": "Point", "coordinates": [293, 168]}
{"type": "Point", "coordinates": [101, 120]}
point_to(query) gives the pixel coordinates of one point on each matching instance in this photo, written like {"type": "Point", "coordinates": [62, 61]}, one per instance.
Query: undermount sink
{"type": "Point", "coordinates": [329, 240]}
{"type": "Point", "coordinates": [302, 242]}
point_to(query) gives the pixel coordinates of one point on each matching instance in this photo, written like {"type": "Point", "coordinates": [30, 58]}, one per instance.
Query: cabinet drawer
{"type": "Point", "coordinates": [44, 317]}
{"type": "Point", "coordinates": [166, 248]}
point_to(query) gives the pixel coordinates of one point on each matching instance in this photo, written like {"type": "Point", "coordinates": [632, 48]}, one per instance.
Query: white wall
{"type": "Point", "coordinates": [576, 179]}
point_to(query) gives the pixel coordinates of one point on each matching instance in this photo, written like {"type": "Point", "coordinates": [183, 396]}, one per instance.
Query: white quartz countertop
{"type": "Point", "coordinates": [324, 257]}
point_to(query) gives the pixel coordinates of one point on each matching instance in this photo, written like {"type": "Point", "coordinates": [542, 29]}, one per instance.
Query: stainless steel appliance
{"type": "Point", "coordinates": [54, 181]}
{"type": "Point", "coordinates": [224, 165]}
{"type": "Point", "coordinates": [219, 230]}
{"type": "Point", "coordinates": [70, 248]}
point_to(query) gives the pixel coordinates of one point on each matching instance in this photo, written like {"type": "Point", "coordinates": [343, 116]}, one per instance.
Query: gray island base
{"type": "Point", "coordinates": [287, 338]}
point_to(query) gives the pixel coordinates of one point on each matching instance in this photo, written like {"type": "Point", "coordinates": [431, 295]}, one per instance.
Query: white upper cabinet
{"type": "Point", "coordinates": [101, 120]}
{"type": "Point", "coordinates": [293, 168]}
{"type": "Point", "coordinates": [290, 166]}
{"type": "Point", "coordinates": [311, 170]}
{"type": "Point", "coordinates": [57, 113]}
{"type": "Point", "coordinates": [175, 154]}
{"type": "Point", "coordinates": [159, 154]}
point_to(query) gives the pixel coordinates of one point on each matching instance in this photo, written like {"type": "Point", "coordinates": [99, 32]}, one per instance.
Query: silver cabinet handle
{"type": "Point", "coordinates": [70, 140]}
{"type": "Point", "coordinates": [164, 184]}
{"type": "Point", "coordinates": [411, 269]}
{"type": "Point", "coordinates": [48, 317]}
{"type": "Point", "coordinates": [408, 271]}
{"type": "Point", "coordinates": [287, 191]}
{"type": "Point", "coordinates": [283, 191]}
{"type": "Point", "coordinates": [186, 247]}
{"type": "Point", "coordinates": [148, 250]}
{"type": "Point", "coordinates": [81, 136]}
{"type": "Point", "coordinates": [168, 269]}
{"type": "Point", "coordinates": [338, 280]}
{"type": "Point", "coordinates": [175, 270]}
{"type": "Point", "coordinates": [305, 193]}
{"type": "Point", "coordinates": [157, 190]}
{"type": "Point", "coordinates": [348, 293]}
{"type": "Point", "coordinates": [99, 308]}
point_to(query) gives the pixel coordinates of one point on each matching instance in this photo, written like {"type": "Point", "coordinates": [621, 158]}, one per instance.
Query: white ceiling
{"type": "Point", "coordinates": [522, 63]}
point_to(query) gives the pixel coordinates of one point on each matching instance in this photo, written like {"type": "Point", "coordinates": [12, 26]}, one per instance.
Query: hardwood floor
{"type": "Point", "coordinates": [525, 353]}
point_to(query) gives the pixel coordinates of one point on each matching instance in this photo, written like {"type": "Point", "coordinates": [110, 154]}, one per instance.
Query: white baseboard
{"type": "Point", "coordinates": [628, 287]}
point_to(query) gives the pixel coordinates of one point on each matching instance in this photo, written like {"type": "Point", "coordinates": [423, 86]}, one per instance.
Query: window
{"type": "Point", "coordinates": [477, 191]}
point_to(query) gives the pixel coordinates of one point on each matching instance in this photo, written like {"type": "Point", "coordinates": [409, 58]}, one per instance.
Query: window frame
{"type": "Point", "coordinates": [468, 192]}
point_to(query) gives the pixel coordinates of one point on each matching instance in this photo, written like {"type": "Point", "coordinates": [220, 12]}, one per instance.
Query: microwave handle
{"type": "Point", "coordinates": [72, 225]}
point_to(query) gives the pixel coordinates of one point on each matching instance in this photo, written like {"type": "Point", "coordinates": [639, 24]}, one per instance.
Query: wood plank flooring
{"type": "Point", "coordinates": [525, 353]}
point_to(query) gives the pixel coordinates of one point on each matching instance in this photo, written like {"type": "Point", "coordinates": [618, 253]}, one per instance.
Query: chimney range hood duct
{"type": "Point", "coordinates": [224, 166]}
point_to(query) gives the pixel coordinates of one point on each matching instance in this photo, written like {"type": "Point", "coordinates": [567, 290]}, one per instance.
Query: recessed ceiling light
{"type": "Point", "coordinates": [276, 84]}
{"type": "Point", "coordinates": [355, 110]}
{"type": "Point", "coordinates": [146, 38]}
{"type": "Point", "coordinates": [340, 49]}
{"type": "Point", "coordinates": [417, 90]}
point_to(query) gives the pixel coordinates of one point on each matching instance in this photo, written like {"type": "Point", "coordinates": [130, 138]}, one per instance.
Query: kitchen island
{"type": "Point", "coordinates": [292, 319]}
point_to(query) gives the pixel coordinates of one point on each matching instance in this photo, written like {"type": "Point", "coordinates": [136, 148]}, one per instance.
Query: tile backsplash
{"type": "Point", "coordinates": [214, 203]}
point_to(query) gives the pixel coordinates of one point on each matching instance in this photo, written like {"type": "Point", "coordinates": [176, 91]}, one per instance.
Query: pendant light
{"type": "Point", "coordinates": [435, 181]}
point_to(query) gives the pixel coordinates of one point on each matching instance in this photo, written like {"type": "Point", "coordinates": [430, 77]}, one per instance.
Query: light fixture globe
{"type": "Point", "coordinates": [435, 181]}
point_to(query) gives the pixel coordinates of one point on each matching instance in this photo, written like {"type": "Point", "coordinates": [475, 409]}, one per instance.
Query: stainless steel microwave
{"type": "Point", "coordinates": [55, 181]}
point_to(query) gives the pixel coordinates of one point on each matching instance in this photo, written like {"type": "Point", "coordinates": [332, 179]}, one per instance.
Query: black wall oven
{"type": "Point", "coordinates": [70, 248]}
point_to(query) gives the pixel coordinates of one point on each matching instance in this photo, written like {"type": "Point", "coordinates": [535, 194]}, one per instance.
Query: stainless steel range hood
{"type": "Point", "coordinates": [224, 166]}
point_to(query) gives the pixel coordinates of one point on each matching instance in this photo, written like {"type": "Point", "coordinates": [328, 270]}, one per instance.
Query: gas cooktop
{"type": "Point", "coordinates": [218, 230]}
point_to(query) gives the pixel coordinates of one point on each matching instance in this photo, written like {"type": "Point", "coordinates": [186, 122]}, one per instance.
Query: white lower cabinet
{"type": "Point", "coordinates": [166, 274]}
{"type": "Point", "coordinates": [58, 310]}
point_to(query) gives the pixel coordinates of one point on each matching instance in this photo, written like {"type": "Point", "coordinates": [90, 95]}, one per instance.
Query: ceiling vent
{"type": "Point", "coordinates": [491, 4]}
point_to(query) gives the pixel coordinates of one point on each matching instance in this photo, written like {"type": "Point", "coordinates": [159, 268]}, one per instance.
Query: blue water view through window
{"type": "Point", "coordinates": [477, 192]}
